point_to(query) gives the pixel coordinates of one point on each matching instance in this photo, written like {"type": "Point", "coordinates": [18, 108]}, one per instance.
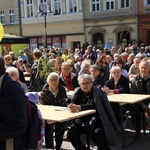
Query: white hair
{"type": "Point", "coordinates": [85, 76]}
{"type": "Point", "coordinates": [85, 63]}
{"type": "Point", "coordinates": [52, 74]}
{"type": "Point", "coordinates": [115, 68]}
{"type": "Point", "coordinates": [13, 70]}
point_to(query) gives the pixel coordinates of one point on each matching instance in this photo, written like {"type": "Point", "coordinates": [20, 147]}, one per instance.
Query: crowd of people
{"type": "Point", "coordinates": [91, 74]}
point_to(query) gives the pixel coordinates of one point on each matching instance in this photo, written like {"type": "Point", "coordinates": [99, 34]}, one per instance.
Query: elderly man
{"type": "Point", "coordinates": [13, 112]}
{"type": "Point", "coordinates": [67, 78]}
{"type": "Point", "coordinates": [102, 125]}
{"type": "Point", "coordinates": [140, 84]}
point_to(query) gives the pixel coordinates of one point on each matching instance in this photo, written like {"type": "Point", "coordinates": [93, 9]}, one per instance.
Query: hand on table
{"type": "Point", "coordinates": [73, 107]}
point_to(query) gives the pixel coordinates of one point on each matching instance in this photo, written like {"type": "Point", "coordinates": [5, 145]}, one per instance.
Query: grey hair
{"type": "Point", "coordinates": [52, 74]}
{"type": "Point", "coordinates": [115, 68]}
{"type": "Point", "coordinates": [13, 70]}
{"type": "Point", "coordinates": [85, 63]}
{"type": "Point", "coordinates": [85, 76]}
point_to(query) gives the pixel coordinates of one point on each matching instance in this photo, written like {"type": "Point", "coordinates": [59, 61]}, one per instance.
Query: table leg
{"type": "Point", "coordinates": [49, 141]}
{"type": "Point", "coordinates": [122, 129]}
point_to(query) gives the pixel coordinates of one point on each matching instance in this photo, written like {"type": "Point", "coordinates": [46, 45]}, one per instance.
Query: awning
{"type": "Point", "coordinates": [13, 39]}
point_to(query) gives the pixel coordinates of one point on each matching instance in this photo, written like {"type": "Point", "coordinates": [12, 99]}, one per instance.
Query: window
{"type": "Point", "coordinates": [29, 8]}
{"type": "Point", "coordinates": [11, 16]}
{"type": "Point", "coordinates": [109, 4]}
{"type": "Point", "coordinates": [73, 6]}
{"type": "Point", "coordinates": [57, 7]}
{"type": "Point", "coordinates": [147, 2]}
{"type": "Point", "coordinates": [95, 5]}
{"type": "Point", "coordinates": [2, 17]}
{"type": "Point", "coordinates": [125, 3]}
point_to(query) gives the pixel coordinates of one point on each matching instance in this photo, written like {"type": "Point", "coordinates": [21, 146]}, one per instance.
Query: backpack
{"type": "Point", "coordinates": [33, 131]}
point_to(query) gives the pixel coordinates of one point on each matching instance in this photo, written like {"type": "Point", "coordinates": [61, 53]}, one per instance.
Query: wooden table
{"type": "Point", "coordinates": [54, 114]}
{"type": "Point", "coordinates": [123, 99]}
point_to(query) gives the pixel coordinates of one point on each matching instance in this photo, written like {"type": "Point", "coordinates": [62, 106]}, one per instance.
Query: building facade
{"type": "Point", "coordinates": [72, 23]}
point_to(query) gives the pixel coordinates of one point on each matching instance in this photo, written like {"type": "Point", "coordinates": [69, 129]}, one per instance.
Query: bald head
{"type": "Point", "coordinates": [2, 66]}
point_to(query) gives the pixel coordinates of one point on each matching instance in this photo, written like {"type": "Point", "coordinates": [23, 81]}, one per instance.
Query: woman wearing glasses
{"type": "Point", "coordinates": [101, 125]}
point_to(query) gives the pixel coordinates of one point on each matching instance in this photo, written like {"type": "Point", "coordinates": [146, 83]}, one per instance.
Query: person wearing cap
{"type": "Point", "coordinates": [107, 49]}
{"type": "Point", "coordinates": [34, 97]}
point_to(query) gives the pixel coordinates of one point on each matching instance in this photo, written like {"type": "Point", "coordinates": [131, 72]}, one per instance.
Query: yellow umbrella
{"type": "Point", "coordinates": [1, 31]}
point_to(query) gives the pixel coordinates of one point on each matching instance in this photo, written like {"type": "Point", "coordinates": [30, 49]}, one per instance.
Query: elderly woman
{"type": "Point", "coordinates": [121, 65]}
{"type": "Point", "coordinates": [51, 94]}
{"type": "Point", "coordinates": [115, 85]}
{"type": "Point", "coordinates": [85, 67]}
{"type": "Point", "coordinates": [102, 125]}
{"type": "Point", "coordinates": [14, 74]}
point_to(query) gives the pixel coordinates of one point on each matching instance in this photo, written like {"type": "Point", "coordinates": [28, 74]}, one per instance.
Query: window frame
{"type": "Point", "coordinates": [109, 1]}
{"type": "Point", "coordinates": [57, 4]}
{"type": "Point", "coordinates": [94, 3]}
{"type": "Point", "coordinates": [11, 16]}
{"type": "Point", "coordinates": [2, 17]}
{"type": "Point", "coordinates": [31, 7]}
{"type": "Point", "coordinates": [125, 2]}
{"type": "Point", "coordinates": [146, 3]}
{"type": "Point", "coordinates": [73, 8]}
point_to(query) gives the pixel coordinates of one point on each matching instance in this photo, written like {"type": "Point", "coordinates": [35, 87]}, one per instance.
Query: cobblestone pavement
{"type": "Point", "coordinates": [142, 144]}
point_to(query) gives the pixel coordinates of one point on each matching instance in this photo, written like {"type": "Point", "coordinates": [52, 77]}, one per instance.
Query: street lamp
{"type": "Point", "coordinates": [44, 12]}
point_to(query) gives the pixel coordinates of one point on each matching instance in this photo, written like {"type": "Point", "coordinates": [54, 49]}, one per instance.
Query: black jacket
{"type": "Point", "coordinates": [104, 111]}
{"type": "Point", "coordinates": [13, 114]}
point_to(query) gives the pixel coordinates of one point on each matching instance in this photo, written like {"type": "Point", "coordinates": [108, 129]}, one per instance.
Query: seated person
{"type": "Point", "coordinates": [85, 67]}
{"type": "Point", "coordinates": [51, 94]}
{"type": "Point", "coordinates": [140, 84]}
{"type": "Point", "coordinates": [14, 74]}
{"type": "Point", "coordinates": [116, 84]}
{"type": "Point", "coordinates": [67, 78]}
{"type": "Point", "coordinates": [99, 81]}
{"type": "Point", "coordinates": [134, 69]}
{"type": "Point", "coordinates": [101, 125]}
